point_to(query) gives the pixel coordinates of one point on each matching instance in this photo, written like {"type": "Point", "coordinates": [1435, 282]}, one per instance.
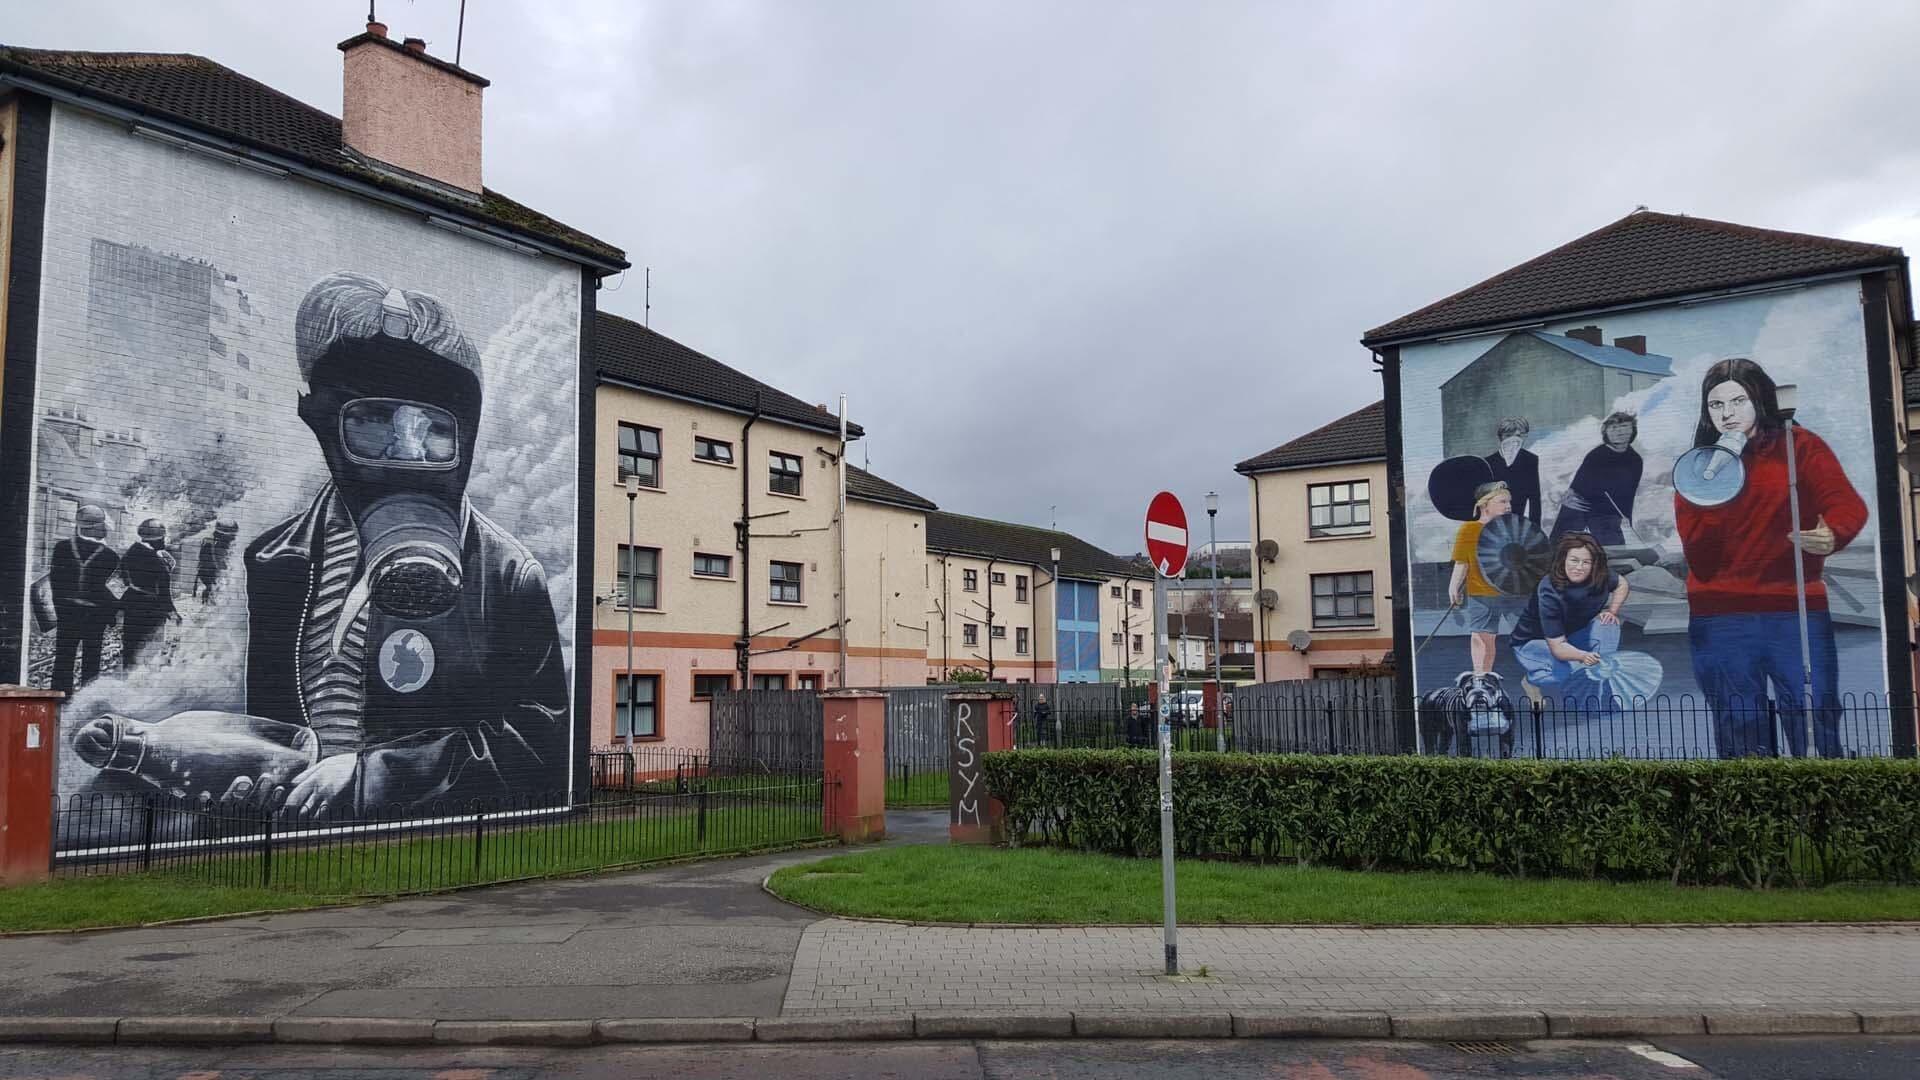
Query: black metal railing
{"type": "Point", "coordinates": [676, 809]}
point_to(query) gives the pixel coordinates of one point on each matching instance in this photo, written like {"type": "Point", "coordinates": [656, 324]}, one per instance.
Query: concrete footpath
{"type": "Point", "coordinates": [630, 956]}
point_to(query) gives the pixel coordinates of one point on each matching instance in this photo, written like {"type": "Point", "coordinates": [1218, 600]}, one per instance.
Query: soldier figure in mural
{"type": "Point", "coordinates": [214, 554]}
{"type": "Point", "coordinates": [1732, 509]}
{"type": "Point", "coordinates": [82, 605]}
{"type": "Point", "coordinates": [147, 568]}
{"type": "Point", "coordinates": [1517, 467]}
{"type": "Point", "coordinates": [1600, 497]}
{"type": "Point", "coordinates": [402, 647]}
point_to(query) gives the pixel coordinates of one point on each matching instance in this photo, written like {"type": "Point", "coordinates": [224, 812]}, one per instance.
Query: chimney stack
{"type": "Point", "coordinates": [415, 112]}
{"type": "Point", "coordinates": [1633, 343]}
{"type": "Point", "coordinates": [1588, 334]}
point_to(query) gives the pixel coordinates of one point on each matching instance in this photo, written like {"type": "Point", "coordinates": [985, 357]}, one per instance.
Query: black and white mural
{"type": "Point", "coordinates": [303, 529]}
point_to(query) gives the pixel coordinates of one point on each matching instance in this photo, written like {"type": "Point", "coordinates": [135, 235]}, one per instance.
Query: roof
{"type": "Point", "coordinates": [1360, 435]}
{"type": "Point", "coordinates": [1612, 356]}
{"type": "Point", "coordinates": [1910, 380]}
{"type": "Point", "coordinates": [625, 351]}
{"type": "Point", "coordinates": [1641, 257]}
{"type": "Point", "coordinates": [195, 92]}
{"type": "Point", "coordinates": [958, 534]}
{"type": "Point", "coordinates": [1233, 626]}
{"type": "Point", "coordinates": [862, 484]}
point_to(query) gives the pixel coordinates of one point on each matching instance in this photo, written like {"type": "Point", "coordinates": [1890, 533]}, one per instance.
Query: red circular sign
{"type": "Point", "coordinates": [1167, 535]}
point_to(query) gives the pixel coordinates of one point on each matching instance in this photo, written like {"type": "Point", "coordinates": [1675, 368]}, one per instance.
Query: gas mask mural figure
{"type": "Point", "coordinates": [410, 635]}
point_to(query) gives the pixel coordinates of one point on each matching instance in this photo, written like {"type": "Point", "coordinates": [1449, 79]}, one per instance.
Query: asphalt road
{"type": "Point", "coordinates": [1842, 1058]}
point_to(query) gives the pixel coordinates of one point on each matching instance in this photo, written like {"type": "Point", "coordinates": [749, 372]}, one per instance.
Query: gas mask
{"type": "Point", "coordinates": [396, 422]}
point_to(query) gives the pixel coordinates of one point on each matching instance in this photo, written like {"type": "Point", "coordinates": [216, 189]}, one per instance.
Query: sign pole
{"type": "Point", "coordinates": [1172, 932]}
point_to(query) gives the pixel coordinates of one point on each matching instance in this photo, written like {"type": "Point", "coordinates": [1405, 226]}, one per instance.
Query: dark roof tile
{"type": "Point", "coordinates": [1644, 256]}
{"type": "Point", "coordinates": [862, 484]}
{"type": "Point", "coordinates": [1360, 435]}
{"type": "Point", "coordinates": [196, 92]}
{"type": "Point", "coordinates": [626, 351]}
{"type": "Point", "coordinates": [959, 534]}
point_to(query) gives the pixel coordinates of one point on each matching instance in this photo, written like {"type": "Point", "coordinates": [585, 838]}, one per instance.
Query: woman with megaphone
{"type": "Point", "coordinates": [1755, 618]}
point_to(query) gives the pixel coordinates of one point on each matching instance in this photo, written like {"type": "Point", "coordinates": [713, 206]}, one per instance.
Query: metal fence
{"type": "Point", "coordinates": [696, 805]}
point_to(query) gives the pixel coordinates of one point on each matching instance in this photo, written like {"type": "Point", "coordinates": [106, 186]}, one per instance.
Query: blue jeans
{"type": "Point", "coordinates": [1545, 669]}
{"type": "Point", "coordinates": [1735, 657]}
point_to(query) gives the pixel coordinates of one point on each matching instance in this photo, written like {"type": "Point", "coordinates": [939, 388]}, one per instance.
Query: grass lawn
{"type": "Point", "coordinates": [129, 899]}
{"type": "Point", "coordinates": [964, 884]}
{"type": "Point", "coordinates": [917, 789]}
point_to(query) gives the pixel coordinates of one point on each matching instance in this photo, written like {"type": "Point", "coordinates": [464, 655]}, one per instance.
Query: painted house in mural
{"type": "Point", "coordinates": [293, 488]}
{"type": "Point", "coordinates": [1667, 495]}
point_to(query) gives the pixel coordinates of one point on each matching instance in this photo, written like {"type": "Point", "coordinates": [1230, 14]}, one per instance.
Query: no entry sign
{"type": "Point", "coordinates": [1167, 535]}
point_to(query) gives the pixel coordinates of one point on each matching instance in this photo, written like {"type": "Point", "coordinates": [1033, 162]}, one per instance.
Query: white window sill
{"type": "Point", "coordinates": [638, 610]}
{"type": "Point", "coordinates": [716, 464]}
{"type": "Point", "coordinates": [1352, 536]}
{"type": "Point", "coordinates": [1344, 628]}
{"type": "Point", "coordinates": [787, 603]}
{"type": "Point", "coordinates": [712, 577]}
{"type": "Point", "coordinates": [784, 495]}
{"type": "Point", "coordinates": [644, 489]}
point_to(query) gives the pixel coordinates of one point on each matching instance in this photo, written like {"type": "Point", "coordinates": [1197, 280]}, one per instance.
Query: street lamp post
{"type": "Point", "coordinates": [1054, 586]}
{"type": "Point", "coordinates": [633, 496]}
{"type": "Point", "coordinates": [1219, 687]}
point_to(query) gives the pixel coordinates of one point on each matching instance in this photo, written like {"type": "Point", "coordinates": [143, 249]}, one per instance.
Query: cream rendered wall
{"type": "Point", "coordinates": [886, 595]}
{"type": "Point", "coordinates": [698, 619]}
{"type": "Point", "coordinates": [944, 593]}
{"type": "Point", "coordinates": [1122, 617]}
{"type": "Point", "coordinates": [1282, 516]}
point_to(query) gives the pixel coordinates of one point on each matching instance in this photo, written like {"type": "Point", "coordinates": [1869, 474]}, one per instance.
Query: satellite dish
{"type": "Point", "coordinates": [1299, 640]}
{"type": "Point", "coordinates": [1452, 483]}
{"type": "Point", "coordinates": [1709, 476]}
{"type": "Point", "coordinates": [1513, 554]}
{"type": "Point", "coordinates": [1270, 550]}
{"type": "Point", "coordinates": [1267, 599]}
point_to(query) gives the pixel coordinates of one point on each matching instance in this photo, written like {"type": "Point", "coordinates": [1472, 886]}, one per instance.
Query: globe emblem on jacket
{"type": "Point", "coordinates": [406, 661]}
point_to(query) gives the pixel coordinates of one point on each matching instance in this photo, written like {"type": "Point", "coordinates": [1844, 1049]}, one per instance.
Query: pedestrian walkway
{"type": "Point", "coordinates": [851, 965]}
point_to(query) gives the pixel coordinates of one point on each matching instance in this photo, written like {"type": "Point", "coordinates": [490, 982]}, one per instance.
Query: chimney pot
{"type": "Point", "coordinates": [416, 45]}
{"type": "Point", "coordinates": [377, 29]}
{"type": "Point", "coordinates": [1633, 343]}
{"type": "Point", "coordinates": [405, 108]}
{"type": "Point", "coordinates": [1588, 334]}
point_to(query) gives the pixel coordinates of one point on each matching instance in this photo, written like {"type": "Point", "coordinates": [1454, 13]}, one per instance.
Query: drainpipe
{"type": "Point", "coordinates": [946, 629]}
{"type": "Point", "coordinates": [843, 543]}
{"type": "Point", "coordinates": [743, 648]}
{"type": "Point", "coordinates": [1259, 583]}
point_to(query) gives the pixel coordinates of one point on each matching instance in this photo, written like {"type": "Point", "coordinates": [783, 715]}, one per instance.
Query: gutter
{"type": "Point", "coordinates": [601, 375]}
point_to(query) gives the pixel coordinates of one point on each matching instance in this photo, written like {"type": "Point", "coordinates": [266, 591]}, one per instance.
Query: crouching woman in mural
{"type": "Point", "coordinates": [1572, 623]}
{"type": "Point", "coordinates": [405, 643]}
{"type": "Point", "coordinates": [1743, 624]}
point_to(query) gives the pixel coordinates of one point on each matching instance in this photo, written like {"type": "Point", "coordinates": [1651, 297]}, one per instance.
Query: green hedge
{"type": "Point", "coordinates": [1755, 822]}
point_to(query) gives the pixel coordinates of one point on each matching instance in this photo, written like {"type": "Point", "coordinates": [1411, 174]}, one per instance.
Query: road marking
{"type": "Point", "coordinates": [1661, 1057]}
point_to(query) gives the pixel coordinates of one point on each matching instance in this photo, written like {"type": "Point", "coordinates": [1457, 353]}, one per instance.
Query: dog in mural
{"type": "Point", "coordinates": [402, 647]}
{"type": "Point", "coordinates": [1476, 704]}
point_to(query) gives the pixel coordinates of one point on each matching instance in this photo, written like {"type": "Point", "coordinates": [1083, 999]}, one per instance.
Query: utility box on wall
{"type": "Point", "coordinates": [29, 722]}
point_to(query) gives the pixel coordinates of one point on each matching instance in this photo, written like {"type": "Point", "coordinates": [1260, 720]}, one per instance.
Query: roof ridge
{"type": "Point", "coordinates": [1381, 404]}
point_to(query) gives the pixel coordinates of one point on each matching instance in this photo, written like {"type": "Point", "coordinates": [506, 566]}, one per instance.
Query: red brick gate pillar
{"type": "Point", "coordinates": [29, 727]}
{"type": "Point", "coordinates": [976, 723]}
{"type": "Point", "coordinates": [855, 738]}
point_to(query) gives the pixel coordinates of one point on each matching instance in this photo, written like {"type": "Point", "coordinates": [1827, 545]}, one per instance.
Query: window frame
{"type": "Point", "coordinates": [707, 440]}
{"type": "Point", "coordinates": [798, 583]}
{"type": "Point", "coordinates": [1135, 601]}
{"type": "Point", "coordinates": [1332, 505]}
{"type": "Point", "coordinates": [694, 692]}
{"type": "Point", "coordinates": [969, 633]}
{"type": "Point", "coordinates": [997, 577]}
{"type": "Point", "coordinates": [697, 572]}
{"type": "Point", "coordinates": [1139, 643]}
{"type": "Point", "coordinates": [1335, 621]}
{"type": "Point", "coordinates": [621, 453]}
{"type": "Point", "coordinates": [819, 679]}
{"type": "Point", "coordinates": [1021, 589]}
{"type": "Point", "coordinates": [785, 677]}
{"type": "Point", "coordinates": [997, 633]}
{"type": "Point", "coordinates": [1022, 641]}
{"type": "Point", "coordinates": [623, 576]}
{"type": "Point", "coordinates": [969, 580]}
{"type": "Point", "coordinates": [658, 679]}
{"type": "Point", "coordinates": [776, 458]}
{"type": "Point", "coordinates": [1116, 592]}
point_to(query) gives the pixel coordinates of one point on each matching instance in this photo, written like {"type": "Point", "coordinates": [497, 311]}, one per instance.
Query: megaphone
{"type": "Point", "coordinates": [1709, 476]}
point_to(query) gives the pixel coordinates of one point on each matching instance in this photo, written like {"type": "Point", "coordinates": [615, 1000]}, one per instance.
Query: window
{"type": "Point", "coordinates": [1138, 643]}
{"type": "Point", "coordinates": [807, 682]}
{"type": "Point", "coordinates": [1113, 591]}
{"type": "Point", "coordinates": [1339, 509]}
{"type": "Point", "coordinates": [705, 449]}
{"type": "Point", "coordinates": [1343, 599]}
{"type": "Point", "coordinates": [969, 634]}
{"type": "Point", "coordinates": [636, 706]}
{"type": "Point", "coordinates": [969, 581]}
{"type": "Point", "coordinates": [998, 578]}
{"type": "Point", "coordinates": [640, 454]}
{"type": "Point", "coordinates": [1000, 632]}
{"type": "Point", "coordinates": [770, 682]}
{"type": "Point", "coordinates": [1116, 639]}
{"type": "Point", "coordinates": [1136, 598]}
{"type": "Point", "coordinates": [783, 582]}
{"type": "Point", "coordinates": [639, 581]}
{"type": "Point", "coordinates": [783, 473]}
{"type": "Point", "coordinates": [705, 686]}
{"type": "Point", "coordinates": [1020, 588]}
{"type": "Point", "coordinates": [705, 565]}
{"type": "Point", "coordinates": [1020, 640]}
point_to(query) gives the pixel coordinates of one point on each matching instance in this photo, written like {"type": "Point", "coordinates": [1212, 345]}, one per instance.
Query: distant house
{"type": "Point", "coordinates": [1551, 379]}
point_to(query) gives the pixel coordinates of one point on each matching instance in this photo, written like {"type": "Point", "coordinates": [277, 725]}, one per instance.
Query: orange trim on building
{"type": "Point", "coordinates": [1363, 644]}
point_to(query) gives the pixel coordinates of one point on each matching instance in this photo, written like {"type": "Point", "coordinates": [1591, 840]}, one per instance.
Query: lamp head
{"type": "Point", "coordinates": [1213, 503]}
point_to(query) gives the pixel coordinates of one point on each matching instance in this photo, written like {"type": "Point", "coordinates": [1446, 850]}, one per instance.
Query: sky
{"type": "Point", "coordinates": [1063, 255]}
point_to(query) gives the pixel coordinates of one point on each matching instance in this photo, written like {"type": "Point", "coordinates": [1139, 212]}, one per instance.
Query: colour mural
{"type": "Point", "coordinates": [1601, 533]}
{"type": "Point", "coordinates": [303, 535]}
